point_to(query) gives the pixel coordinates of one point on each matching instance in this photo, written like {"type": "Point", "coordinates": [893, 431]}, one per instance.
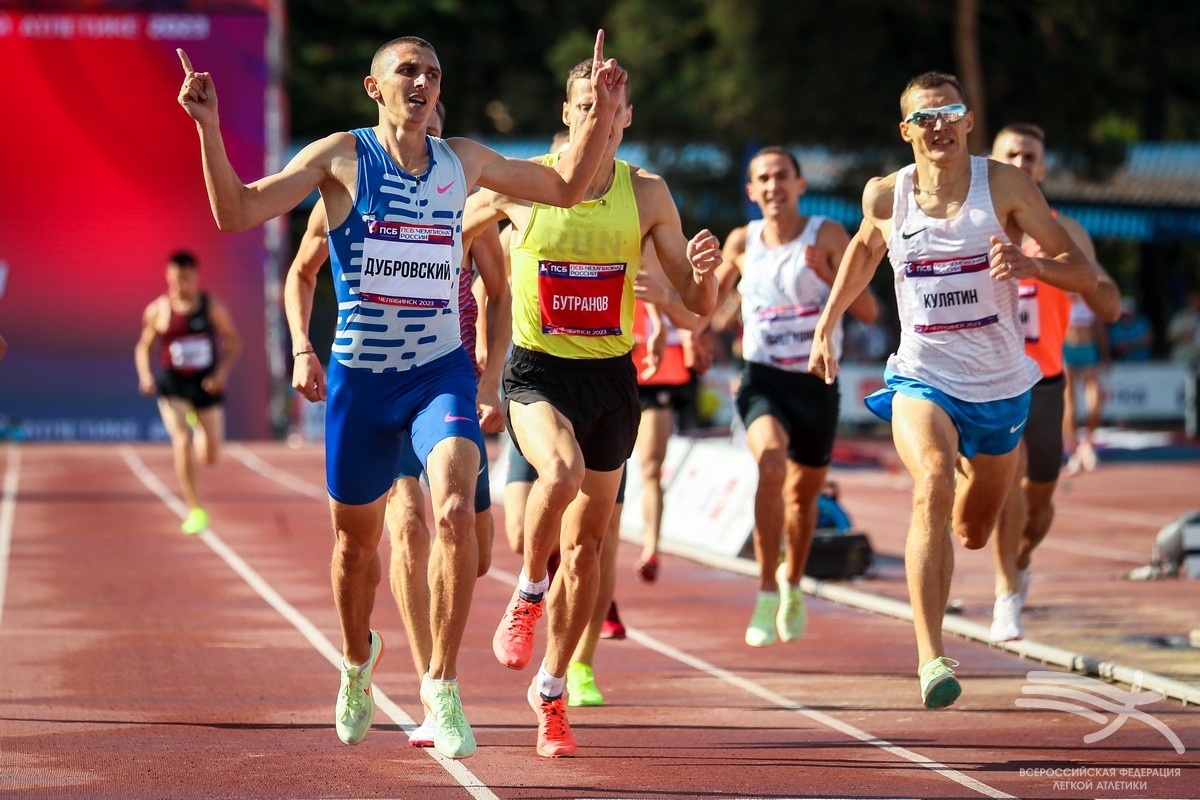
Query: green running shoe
{"type": "Point", "coordinates": [355, 709]}
{"type": "Point", "coordinates": [761, 632]}
{"type": "Point", "coordinates": [939, 687]}
{"type": "Point", "coordinates": [581, 686]}
{"type": "Point", "coordinates": [196, 522]}
{"type": "Point", "coordinates": [452, 736]}
{"type": "Point", "coordinates": [792, 619]}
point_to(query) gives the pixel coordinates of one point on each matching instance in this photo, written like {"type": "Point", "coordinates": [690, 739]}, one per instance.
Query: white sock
{"type": "Point", "coordinates": [528, 587]}
{"type": "Point", "coordinates": [548, 685]}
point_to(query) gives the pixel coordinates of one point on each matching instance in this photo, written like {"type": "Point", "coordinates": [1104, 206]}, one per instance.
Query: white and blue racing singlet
{"type": "Point", "coordinates": [960, 330]}
{"type": "Point", "coordinates": [396, 260]}
{"type": "Point", "coordinates": [782, 299]}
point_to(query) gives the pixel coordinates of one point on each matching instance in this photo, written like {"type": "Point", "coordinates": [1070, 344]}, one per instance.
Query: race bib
{"type": "Point", "coordinates": [952, 294]}
{"type": "Point", "coordinates": [408, 265]}
{"type": "Point", "coordinates": [581, 299]}
{"type": "Point", "coordinates": [191, 352]}
{"type": "Point", "coordinates": [1027, 307]}
{"type": "Point", "coordinates": [787, 333]}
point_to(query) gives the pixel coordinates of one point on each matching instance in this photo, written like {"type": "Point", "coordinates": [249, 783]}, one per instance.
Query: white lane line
{"type": "Point", "coordinates": [457, 770]}
{"type": "Point", "coordinates": [8, 511]}
{"type": "Point", "coordinates": [508, 579]}
{"type": "Point", "coordinates": [821, 718]}
{"type": "Point", "coordinates": [267, 470]}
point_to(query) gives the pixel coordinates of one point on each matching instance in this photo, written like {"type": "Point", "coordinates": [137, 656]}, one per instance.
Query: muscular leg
{"type": "Point", "coordinates": [411, 565]}
{"type": "Point", "coordinates": [585, 651]}
{"type": "Point", "coordinates": [801, 488]}
{"type": "Point", "coordinates": [355, 572]}
{"type": "Point", "coordinates": [576, 584]}
{"type": "Point", "coordinates": [174, 416]}
{"type": "Point", "coordinates": [927, 443]}
{"type": "Point", "coordinates": [981, 495]}
{"type": "Point", "coordinates": [1039, 499]}
{"type": "Point", "coordinates": [516, 499]}
{"type": "Point", "coordinates": [548, 441]}
{"type": "Point", "coordinates": [1009, 527]}
{"type": "Point", "coordinates": [768, 442]}
{"type": "Point", "coordinates": [654, 432]}
{"type": "Point", "coordinates": [484, 533]}
{"type": "Point", "coordinates": [452, 466]}
{"type": "Point", "coordinates": [209, 433]}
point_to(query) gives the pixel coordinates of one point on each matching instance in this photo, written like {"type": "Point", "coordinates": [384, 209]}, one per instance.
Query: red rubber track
{"type": "Point", "coordinates": [136, 662]}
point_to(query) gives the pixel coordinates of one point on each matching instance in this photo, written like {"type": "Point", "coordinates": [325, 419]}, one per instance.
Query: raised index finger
{"type": "Point", "coordinates": [598, 55]}
{"type": "Point", "coordinates": [187, 62]}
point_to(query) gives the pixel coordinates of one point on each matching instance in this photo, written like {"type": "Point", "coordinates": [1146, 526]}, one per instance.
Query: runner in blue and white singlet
{"type": "Point", "coordinates": [396, 262]}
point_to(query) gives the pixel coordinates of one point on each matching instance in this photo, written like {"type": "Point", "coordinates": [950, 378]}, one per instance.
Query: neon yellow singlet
{"type": "Point", "coordinates": [573, 271]}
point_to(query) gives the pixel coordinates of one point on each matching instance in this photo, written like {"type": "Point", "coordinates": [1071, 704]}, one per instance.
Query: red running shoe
{"type": "Point", "coordinates": [612, 627]}
{"type": "Point", "coordinates": [647, 570]}
{"type": "Point", "coordinates": [513, 642]}
{"type": "Point", "coordinates": [554, 739]}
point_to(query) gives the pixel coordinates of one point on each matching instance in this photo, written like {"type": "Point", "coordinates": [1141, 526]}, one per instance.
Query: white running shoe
{"type": "Point", "coordinates": [1006, 619]}
{"type": "Point", "coordinates": [422, 735]}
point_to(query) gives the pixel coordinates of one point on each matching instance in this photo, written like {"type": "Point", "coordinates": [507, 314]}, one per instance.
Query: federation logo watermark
{"type": "Point", "coordinates": [1095, 700]}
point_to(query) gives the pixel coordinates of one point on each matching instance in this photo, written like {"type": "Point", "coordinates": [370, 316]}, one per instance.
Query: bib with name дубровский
{"type": "Point", "coordinates": [407, 264]}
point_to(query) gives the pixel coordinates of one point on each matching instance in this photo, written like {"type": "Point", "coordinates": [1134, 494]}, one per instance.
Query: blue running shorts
{"type": "Point", "coordinates": [368, 412]}
{"type": "Point", "coordinates": [992, 428]}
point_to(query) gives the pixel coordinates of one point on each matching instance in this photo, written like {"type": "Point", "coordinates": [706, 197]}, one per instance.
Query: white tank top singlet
{"type": "Point", "coordinates": [782, 300]}
{"type": "Point", "coordinates": [960, 330]}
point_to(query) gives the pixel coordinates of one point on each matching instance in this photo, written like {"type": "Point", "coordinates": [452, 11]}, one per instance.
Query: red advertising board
{"type": "Point", "coordinates": [101, 182]}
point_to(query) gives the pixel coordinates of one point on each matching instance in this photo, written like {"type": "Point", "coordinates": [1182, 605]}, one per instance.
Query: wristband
{"type": "Point", "coordinates": [304, 353]}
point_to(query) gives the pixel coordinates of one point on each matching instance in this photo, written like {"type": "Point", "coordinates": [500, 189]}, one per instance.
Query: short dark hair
{"type": "Point", "coordinates": [583, 71]}
{"type": "Point", "coordinates": [772, 150]}
{"type": "Point", "coordinates": [184, 259]}
{"type": "Point", "coordinates": [1024, 129]}
{"type": "Point", "coordinates": [384, 49]}
{"type": "Point", "coordinates": [930, 80]}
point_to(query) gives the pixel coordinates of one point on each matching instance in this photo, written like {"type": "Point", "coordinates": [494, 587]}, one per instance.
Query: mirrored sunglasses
{"type": "Point", "coordinates": [926, 117]}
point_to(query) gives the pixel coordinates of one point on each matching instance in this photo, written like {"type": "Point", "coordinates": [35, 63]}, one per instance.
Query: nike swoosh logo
{"type": "Point", "coordinates": [450, 418]}
{"type": "Point", "coordinates": [1016, 428]}
{"type": "Point", "coordinates": [444, 189]}
{"type": "Point", "coordinates": [911, 234]}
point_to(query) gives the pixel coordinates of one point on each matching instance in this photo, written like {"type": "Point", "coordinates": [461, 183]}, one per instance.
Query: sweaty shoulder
{"type": "Point", "coordinates": [877, 197]}
{"type": "Point", "coordinates": [1005, 179]}
{"type": "Point", "coordinates": [648, 187]}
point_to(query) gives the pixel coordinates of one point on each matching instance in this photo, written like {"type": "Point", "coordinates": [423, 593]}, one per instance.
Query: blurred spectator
{"type": "Point", "coordinates": [1183, 331]}
{"type": "Point", "coordinates": [1130, 337]}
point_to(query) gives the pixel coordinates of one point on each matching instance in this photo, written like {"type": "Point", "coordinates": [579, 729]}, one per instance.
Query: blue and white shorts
{"type": "Point", "coordinates": [992, 428]}
{"type": "Point", "coordinates": [368, 413]}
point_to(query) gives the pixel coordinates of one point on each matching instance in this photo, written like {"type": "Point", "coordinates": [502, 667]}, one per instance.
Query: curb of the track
{"type": "Point", "coordinates": [1080, 663]}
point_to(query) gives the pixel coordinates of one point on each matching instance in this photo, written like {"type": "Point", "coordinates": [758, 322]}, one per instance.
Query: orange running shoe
{"type": "Point", "coordinates": [555, 739]}
{"type": "Point", "coordinates": [513, 642]}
